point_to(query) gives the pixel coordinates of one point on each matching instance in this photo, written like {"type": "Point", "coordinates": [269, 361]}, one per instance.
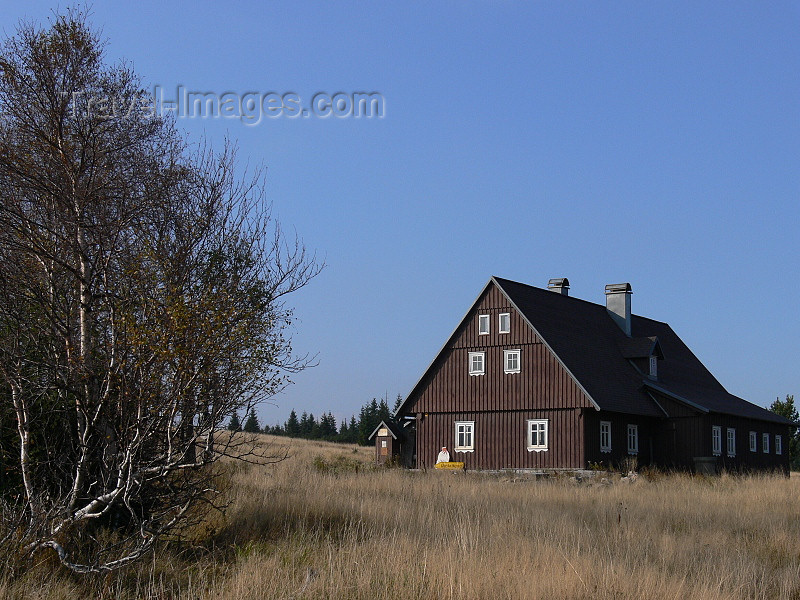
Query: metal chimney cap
{"type": "Point", "coordinates": [619, 288]}
{"type": "Point", "coordinates": [558, 282]}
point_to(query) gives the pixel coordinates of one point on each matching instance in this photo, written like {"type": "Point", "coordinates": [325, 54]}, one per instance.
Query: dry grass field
{"type": "Point", "coordinates": [323, 524]}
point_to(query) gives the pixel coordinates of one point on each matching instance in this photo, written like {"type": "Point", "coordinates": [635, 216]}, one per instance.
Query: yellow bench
{"type": "Point", "coordinates": [450, 466]}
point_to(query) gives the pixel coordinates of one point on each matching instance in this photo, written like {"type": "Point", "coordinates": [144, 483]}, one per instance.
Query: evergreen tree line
{"type": "Point", "coordinates": [356, 430]}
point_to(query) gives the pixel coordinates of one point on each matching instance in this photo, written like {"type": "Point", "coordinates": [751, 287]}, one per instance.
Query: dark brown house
{"type": "Point", "coordinates": [536, 379]}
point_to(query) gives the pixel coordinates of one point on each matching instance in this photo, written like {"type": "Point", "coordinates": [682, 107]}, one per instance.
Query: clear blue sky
{"type": "Point", "coordinates": [603, 141]}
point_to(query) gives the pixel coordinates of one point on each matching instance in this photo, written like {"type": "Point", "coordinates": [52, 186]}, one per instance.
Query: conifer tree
{"type": "Point", "coordinates": [251, 424]}
{"type": "Point", "coordinates": [397, 402]}
{"type": "Point", "coordinates": [292, 427]}
{"type": "Point", "coordinates": [234, 424]}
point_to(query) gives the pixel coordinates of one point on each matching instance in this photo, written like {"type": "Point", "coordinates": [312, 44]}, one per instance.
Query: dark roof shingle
{"type": "Point", "coordinates": [595, 350]}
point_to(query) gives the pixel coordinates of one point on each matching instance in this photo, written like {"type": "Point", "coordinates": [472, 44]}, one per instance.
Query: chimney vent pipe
{"type": "Point", "coordinates": [559, 286]}
{"type": "Point", "coordinates": [618, 305]}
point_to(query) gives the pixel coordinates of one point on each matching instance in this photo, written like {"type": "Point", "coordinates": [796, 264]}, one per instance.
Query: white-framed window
{"type": "Point", "coordinates": [383, 443]}
{"type": "Point", "coordinates": [778, 444]}
{"type": "Point", "coordinates": [653, 366]}
{"type": "Point", "coordinates": [483, 324]}
{"type": "Point", "coordinates": [537, 435]}
{"type": "Point", "coordinates": [465, 436]}
{"type": "Point", "coordinates": [716, 440]}
{"type": "Point", "coordinates": [477, 363]}
{"type": "Point", "coordinates": [765, 443]}
{"type": "Point", "coordinates": [504, 325]}
{"type": "Point", "coordinates": [753, 441]}
{"type": "Point", "coordinates": [633, 439]}
{"type": "Point", "coordinates": [731, 442]}
{"type": "Point", "coordinates": [511, 361]}
{"type": "Point", "coordinates": [605, 436]}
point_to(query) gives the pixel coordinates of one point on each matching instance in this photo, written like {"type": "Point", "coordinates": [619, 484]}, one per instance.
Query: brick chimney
{"type": "Point", "coordinates": [559, 286]}
{"type": "Point", "coordinates": [618, 305]}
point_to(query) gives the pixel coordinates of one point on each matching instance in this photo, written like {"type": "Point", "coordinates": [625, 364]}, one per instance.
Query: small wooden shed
{"type": "Point", "coordinates": [389, 439]}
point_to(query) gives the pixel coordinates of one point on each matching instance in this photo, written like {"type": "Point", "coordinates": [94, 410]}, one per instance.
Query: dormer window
{"type": "Point", "coordinates": [654, 367]}
{"type": "Point", "coordinates": [483, 324]}
{"type": "Point", "coordinates": [505, 323]}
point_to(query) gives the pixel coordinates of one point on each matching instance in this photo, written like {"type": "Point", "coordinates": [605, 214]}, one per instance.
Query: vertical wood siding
{"type": "Point", "coordinates": [392, 448]}
{"type": "Point", "coordinates": [500, 440]}
{"type": "Point", "coordinates": [744, 459]}
{"type": "Point", "coordinates": [677, 440]}
{"type": "Point", "coordinates": [648, 438]}
{"type": "Point", "coordinates": [542, 382]}
{"type": "Point", "coordinates": [500, 403]}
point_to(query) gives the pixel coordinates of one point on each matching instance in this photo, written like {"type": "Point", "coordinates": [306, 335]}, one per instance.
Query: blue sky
{"type": "Point", "coordinates": [607, 141]}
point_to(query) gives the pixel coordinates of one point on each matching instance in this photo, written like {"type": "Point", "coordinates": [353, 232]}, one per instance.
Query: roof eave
{"type": "Point", "coordinates": [446, 343]}
{"type": "Point", "coordinates": [675, 396]}
{"type": "Point", "coordinates": [389, 429]}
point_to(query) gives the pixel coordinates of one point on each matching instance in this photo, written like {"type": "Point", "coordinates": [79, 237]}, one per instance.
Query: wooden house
{"type": "Point", "coordinates": [536, 379]}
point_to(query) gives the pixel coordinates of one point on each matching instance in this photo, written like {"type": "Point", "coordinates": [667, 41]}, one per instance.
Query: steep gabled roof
{"type": "Point", "coordinates": [595, 351]}
{"type": "Point", "coordinates": [586, 340]}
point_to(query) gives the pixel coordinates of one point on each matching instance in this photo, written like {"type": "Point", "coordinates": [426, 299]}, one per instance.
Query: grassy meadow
{"type": "Point", "coordinates": [324, 524]}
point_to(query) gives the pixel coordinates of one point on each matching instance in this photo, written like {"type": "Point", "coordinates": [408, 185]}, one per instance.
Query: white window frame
{"type": "Point", "coordinates": [484, 320]}
{"type": "Point", "coordinates": [473, 356]}
{"type": "Point", "coordinates": [605, 436]}
{"type": "Point", "coordinates": [542, 429]}
{"type": "Point", "coordinates": [383, 444]}
{"type": "Point", "coordinates": [468, 430]}
{"type": "Point", "coordinates": [731, 442]}
{"type": "Point", "coordinates": [778, 444]}
{"type": "Point", "coordinates": [654, 367]}
{"type": "Point", "coordinates": [500, 318]}
{"type": "Point", "coordinates": [765, 443]}
{"type": "Point", "coordinates": [753, 441]}
{"type": "Point", "coordinates": [716, 440]}
{"type": "Point", "coordinates": [633, 438]}
{"type": "Point", "coordinates": [507, 354]}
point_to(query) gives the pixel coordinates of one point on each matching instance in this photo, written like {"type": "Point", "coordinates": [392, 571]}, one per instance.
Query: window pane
{"type": "Point", "coordinates": [633, 438]}
{"type": "Point", "coordinates": [505, 320]}
{"type": "Point", "coordinates": [483, 324]}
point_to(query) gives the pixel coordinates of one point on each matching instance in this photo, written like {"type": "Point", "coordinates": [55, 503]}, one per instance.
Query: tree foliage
{"type": "Point", "coordinates": [142, 301]}
{"type": "Point", "coordinates": [354, 431]}
{"type": "Point", "coordinates": [251, 424]}
{"type": "Point", "coordinates": [786, 408]}
{"type": "Point", "coordinates": [234, 424]}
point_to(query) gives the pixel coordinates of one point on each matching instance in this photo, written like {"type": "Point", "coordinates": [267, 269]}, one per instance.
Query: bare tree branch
{"type": "Point", "coordinates": [143, 288]}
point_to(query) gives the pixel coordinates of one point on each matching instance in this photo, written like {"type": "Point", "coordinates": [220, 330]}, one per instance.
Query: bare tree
{"type": "Point", "coordinates": [142, 302]}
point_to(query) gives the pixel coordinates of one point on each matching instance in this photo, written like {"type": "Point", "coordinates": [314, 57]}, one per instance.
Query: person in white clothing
{"type": "Point", "coordinates": [444, 456]}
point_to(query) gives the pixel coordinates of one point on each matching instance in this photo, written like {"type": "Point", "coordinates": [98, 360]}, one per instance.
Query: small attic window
{"type": "Point", "coordinates": [505, 323]}
{"type": "Point", "coordinates": [654, 367]}
{"type": "Point", "coordinates": [483, 324]}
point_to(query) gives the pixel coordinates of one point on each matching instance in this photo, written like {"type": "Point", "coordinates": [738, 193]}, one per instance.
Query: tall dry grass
{"type": "Point", "coordinates": [314, 527]}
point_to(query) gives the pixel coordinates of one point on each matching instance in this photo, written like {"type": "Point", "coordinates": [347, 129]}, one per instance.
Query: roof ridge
{"type": "Point", "coordinates": [574, 298]}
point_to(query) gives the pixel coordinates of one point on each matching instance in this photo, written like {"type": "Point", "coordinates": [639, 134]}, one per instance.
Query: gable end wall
{"type": "Point", "coordinates": [541, 384]}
